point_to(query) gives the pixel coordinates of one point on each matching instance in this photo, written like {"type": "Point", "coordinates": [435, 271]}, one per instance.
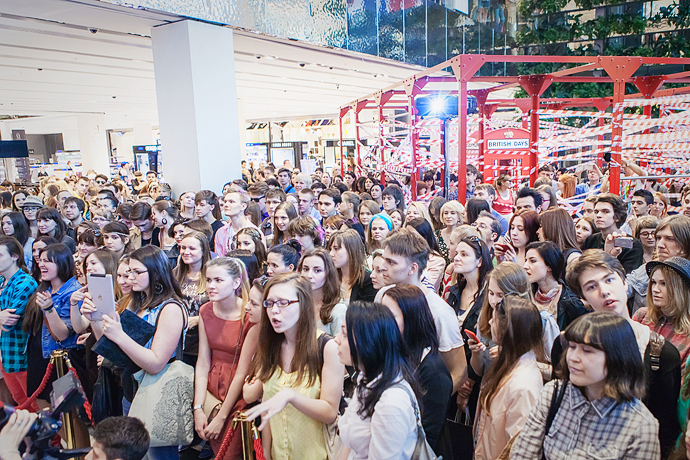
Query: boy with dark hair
{"type": "Point", "coordinates": [393, 198]}
{"type": "Point", "coordinates": [72, 212]}
{"type": "Point", "coordinates": [257, 193]}
{"type": "Point", "coordinates": [610, 214]}
{"type": "Point", "coordinates": [599, 278]}
{"type": "Point", "coordinates": [639, 207]}
{"type": "Point", "coordinates": [284, 177]}
{"type": "Point", "coordinates": [206, 207]}
{"type": "Point", "coordinates": [529, 199]}
{"type": "Point", "coordinates": [329, 200]}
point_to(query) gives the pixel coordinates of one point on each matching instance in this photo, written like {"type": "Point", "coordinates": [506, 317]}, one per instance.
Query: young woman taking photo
{"type": "Point", "coordinates": [223, 337]}
{"type": "Point", "coordinates": [301, 378]}
{"type": "Point", "coordinates": [380, 421]}
{"type": "Point", "coordinates": [600, 412]}
{"type": "Point", "coordinates": [512, 385]}
{"type": "Point", "coordinates": [250, 239]}
{"type": "Point", "coordinates": [317, 266]}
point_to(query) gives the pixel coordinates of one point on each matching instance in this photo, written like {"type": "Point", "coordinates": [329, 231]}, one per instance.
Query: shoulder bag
{"type": "Point", "coordinates": [330, 431]}
{"type": "Point", "coordinates": [422, 450]}
{"type": "Point", "coordinates": [164, 400]}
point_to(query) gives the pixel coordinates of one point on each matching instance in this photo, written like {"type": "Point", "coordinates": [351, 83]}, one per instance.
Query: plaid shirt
{"type": "Point", "coordinates": [583, 430]}
{"type": "Point", "coordinates": [666, 329]}
{"type": "Point", "coordinates": [13, 341]}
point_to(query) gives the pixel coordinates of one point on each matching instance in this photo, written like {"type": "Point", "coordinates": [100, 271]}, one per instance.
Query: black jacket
{"type": "Point", "coordinates": [629, 258]}
{"type": "Point", "coordinates": [364, 290]}
{"type": "Point", "coordinates": [570, 307]}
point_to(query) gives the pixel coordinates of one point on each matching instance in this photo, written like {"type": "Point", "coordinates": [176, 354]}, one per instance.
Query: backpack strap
{"type": "Point", "coordinates": [656, 344]}
{"type": "Point", "coordinates": [556, 400]}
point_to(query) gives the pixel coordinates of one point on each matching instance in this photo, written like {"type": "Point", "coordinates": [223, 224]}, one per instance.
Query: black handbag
{"type": "Point", "coordinates": [107, 395]}
{"type": "Point", "coordinates": [139, 330]}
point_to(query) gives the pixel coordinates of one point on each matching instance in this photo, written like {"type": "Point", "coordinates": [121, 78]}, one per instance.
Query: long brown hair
{"type": "Point", "coordinates": [306, 362]}
{"type": "Point", "coordinates": [331, 286]}
{"type": "Point", "coordinates": [182, 269]}
{"type": "Point", "coordinates": [559, 227]}
{"type": "Point", "coordinates": [356, 253]}
{"type": "Point", "coordinates": [520, 324]}
{"type": "Point", "coordinates": [511, 279]}
{"type": "Point", "coordinates": [677, 300]}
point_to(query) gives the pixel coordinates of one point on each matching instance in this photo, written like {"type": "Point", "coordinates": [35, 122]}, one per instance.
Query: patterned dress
{"type": "Point", "coordinates": [445, 252]}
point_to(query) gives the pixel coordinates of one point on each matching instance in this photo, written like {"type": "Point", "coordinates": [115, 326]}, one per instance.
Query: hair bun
{"type": "Point", "coordinates": [295, 245]}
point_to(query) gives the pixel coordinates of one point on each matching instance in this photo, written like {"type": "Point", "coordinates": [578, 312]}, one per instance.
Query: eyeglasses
{"type": "Point", "coordinates": [100, 182]}
{"type": "Point", "coordinates": [281, 303]}
{"type": "Point", "coordinates": [256, 200]}
{"type": "Point", "coordinates": [136, 273]}
{"type": "Point", "coordinates": [647, 234]}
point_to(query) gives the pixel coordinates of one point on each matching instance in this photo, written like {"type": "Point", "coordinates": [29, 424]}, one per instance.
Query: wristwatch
{"type": "Point", "coordinates": [198, 406]}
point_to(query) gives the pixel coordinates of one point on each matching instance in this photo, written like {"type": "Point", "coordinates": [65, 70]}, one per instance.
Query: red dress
{"type": "Point", "coordinates": [223, 340]}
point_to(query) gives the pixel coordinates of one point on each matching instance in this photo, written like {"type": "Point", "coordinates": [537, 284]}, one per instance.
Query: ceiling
{"type": "Point", "coordinates": [61, 57]}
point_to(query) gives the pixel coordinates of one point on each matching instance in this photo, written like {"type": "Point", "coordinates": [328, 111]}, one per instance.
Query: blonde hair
{"type": "Point", "coordinates": [422, 209]}
{"type": "Point", "coordinates": [456, 206]}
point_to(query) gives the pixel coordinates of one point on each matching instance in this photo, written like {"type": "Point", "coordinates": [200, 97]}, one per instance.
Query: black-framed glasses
{"type": "Point", "coordinates": [100, 182]}
{"type": "Point", "coordinates": [256, 200]}
{"type": "Point", "coordinates": [280, 303]}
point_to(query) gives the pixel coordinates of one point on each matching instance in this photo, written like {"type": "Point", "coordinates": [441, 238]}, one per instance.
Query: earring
{"type": "Point", "coordinates": [164, 221]}
{"type": "Point", "coordinates": [158, 290]}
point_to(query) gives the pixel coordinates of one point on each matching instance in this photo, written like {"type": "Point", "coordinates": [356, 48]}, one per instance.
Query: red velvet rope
{"type": "Point", "coordinates": [259, 449]}
{"type": "Point", "coordinates": [226, 442]}
{"type": "Point", "coordinates": [41, 387]}
{"type": "Point", "coordinates": [87, 405]}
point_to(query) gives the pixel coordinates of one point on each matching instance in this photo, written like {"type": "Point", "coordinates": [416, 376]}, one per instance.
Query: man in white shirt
{"type": "Point", "coordinates": [405, 257]}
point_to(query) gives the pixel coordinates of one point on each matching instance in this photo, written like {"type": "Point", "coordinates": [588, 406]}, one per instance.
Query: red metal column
{"type": "Point", "coordinates": [484, 112]}
{"type": "Point", "coordinates": [414, 139]}
{"type": "Point", "coordinates": [464, 68]}
{"type": "Point", "coordinates": [382, 99]}
{"type": "Point", "coordinates": [358, 108]}
{"type": "Point", "coordinates": [535, 85]}
{"type": "Point", "coordinates": [620, 69]}
{"type": "Point", "coordinates": [343, 112]}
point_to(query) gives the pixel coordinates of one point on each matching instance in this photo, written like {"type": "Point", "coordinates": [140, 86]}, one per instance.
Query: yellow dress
{"type": "Point", "coordinates": [295, 436]}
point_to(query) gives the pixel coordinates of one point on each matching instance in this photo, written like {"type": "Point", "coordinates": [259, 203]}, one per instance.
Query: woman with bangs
{"type": "Point", "coordinates": [116, 239]}
{"type": "Point", "coordinates": [645, 231]}
{"type": "Point", "coordinates": [331, 225]}
{"type": "Point", "coordinates": [250, 239]}
{"type": "Point", "coordinates": [598, 412]}
{"type": "Point", "coordinates": [659, 208]}
{"type": "Point", "coordinates": [88, 241]}
{"type": "Point", "coordinates": [305, 230]}
{"type": "Point", "coordinates": [417, 210]}
{"type": "Point", "coordinates": [512, 385]}
{"type": "Point", "coordinates": [523, 230]}
{"type": "Point", "coordinates": [317, 265]}
{"type": "Point", "coordinates": [379, 227]}
{"type": "Point", "coordinates": [50, 223]}
{"type": "Point", "coordinates": [367, 209]}
{"type": "Point", "coordinates": [298, 371]}
{"type": "Point", "coordinates": [225, 351]}
{"type": "Point", "coordinates": [349, 256]}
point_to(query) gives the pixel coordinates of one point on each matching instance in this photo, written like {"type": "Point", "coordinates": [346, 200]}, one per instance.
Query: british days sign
{"type": "Point", "coordinates": [507, 139]}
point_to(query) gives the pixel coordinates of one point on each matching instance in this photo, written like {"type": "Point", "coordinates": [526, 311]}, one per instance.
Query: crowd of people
{"type": "Point", "coordinates": [346, 320]}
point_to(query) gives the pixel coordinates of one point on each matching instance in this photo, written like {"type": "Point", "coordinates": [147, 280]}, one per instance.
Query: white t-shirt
{"type": "Point", "coordinates": [447, 325]}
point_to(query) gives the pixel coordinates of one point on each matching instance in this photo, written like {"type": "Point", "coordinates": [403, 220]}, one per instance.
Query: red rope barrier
{"type": "Point", "coordinates": [87, 405]}
{"type": "Point", "coordinates": [41, 387]}
{"type": "Point", "coordinates": [259, 449]}
{"type": "Point", "coordinates": [226, 441]}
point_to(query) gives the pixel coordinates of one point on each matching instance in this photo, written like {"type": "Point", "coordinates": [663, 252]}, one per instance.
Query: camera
{"type": "Point", "coordinates": [67, 393]}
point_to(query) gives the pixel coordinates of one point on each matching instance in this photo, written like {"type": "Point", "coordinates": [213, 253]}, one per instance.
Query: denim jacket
{"type": "Point", "coordinates": [61, 304]}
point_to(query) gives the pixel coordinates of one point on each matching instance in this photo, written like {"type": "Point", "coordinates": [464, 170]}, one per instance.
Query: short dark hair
{"type": "Point", "coordinates": [476, 206]}
{"type": "Point", "coordinates": [495, 224]}
{"type": "Point", "coordinates": [122, 438]}
{"type": "Point", "coordinates": [78, 201]}
{"type": "Point", "coordinates": [273, 182]}
{"type": "Point", "coordinates": [526, 192]}
{"type": "Point", "coordinates": [625, 373]}
{"type": "Point", "coordinates": [472, 169]}
{"type": "Point", "coordinates": [397, 194]}
{"type": "Point", "coordinates": [341, 186]}
{"type": "Point", "coordinates": [333, 193]}
{"type": "Point", "coordinates": [258, 188]}
{"type": "Point", "coordinates": [61, 256]}
{"type": "Point", "coordinates": [488, 188]}
{"type": "Point", "coordinates": [620, 210]}
{"type": "Point", "coordinates": [284, 170]}
{"type": "Point", "coordinates": [210, 198]}
{"type": "Point", "coordinates": [113, 201]}
{"type": "Point", "coordinates": [646, 194]}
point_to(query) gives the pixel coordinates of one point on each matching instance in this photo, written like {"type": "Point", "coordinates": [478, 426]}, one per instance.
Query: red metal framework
{"type": "Point", "coordinates": [618, 70]}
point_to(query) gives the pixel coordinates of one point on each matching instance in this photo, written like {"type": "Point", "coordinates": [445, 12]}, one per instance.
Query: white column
{"type": "Point", "coordinates": [93, 144]}
{"type": "Point", "coordinates": [242, 123]}
{"type": "Point", "coordinates": [194, 65]}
